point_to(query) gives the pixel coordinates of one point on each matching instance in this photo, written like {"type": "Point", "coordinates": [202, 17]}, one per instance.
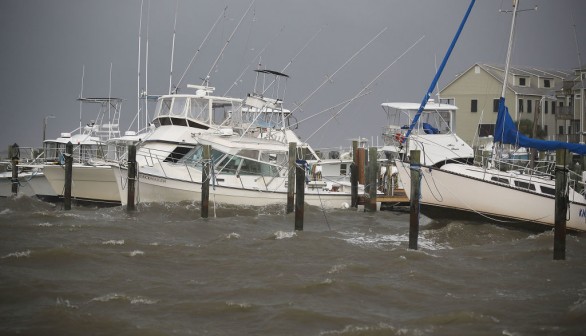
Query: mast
{"type": "Point", "coordinates": [173, 46]}
{"type": "Point", "coordinates": [138, 71]}
{"type": "Point", "coordinates": [510, 47]}
{"type": "Point", "coordinates": [439, 72]}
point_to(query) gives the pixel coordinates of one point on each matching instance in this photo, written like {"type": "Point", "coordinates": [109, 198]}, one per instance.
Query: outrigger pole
{"type": "Point", "coordinates": [439, 72]}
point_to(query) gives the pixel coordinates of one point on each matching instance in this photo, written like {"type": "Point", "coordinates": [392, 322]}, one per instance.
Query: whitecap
{"type": "Point", "coordinates": [5, 212]}
{"type": "Point", "coordinates": [113, 242]}
{"type": "Point", "coordinates": [46, 224]}
{"type": "Point", "coordinates": [233, 235]}
{"type": "Point", "coordinates": [337, 268]}
{"type": "Point", "coordinates": [284, 235]}
{"type": "Point", "coordinates": [22, 254]}
{"type": "Point", "coordinates": [65, 303]}
{"type": "Point", "coordinates": [136, 252]}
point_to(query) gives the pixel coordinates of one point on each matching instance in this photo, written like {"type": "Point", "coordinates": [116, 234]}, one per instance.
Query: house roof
{"type": "Point", "coordinates": [497, 72]}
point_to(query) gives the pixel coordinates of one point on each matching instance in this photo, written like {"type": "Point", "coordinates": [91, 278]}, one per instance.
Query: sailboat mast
{"type": "Point", "coordinates": [510, 46]}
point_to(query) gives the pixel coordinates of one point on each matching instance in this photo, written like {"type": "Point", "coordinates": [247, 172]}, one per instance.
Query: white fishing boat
{"type": "Point", "coordinates": [249, 154]}
{"type": "Point", "coordinates": [433, 134]}
{"type": "Point", "coordinates": [516, 197]}
{"type": "Point", "coordinates": [94, 144]}
{"type": "Point", "coordinates": [30, 175]}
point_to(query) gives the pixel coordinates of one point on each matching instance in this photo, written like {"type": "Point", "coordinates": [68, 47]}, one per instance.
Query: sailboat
{"type": "Point", "coordinates": [513, 197]}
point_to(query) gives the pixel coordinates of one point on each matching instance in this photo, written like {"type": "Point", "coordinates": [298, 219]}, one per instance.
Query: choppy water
{"type": "Point", "coordinates": [163, 271]}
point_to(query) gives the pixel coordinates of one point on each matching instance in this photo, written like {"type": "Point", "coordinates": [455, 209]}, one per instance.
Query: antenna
{"type": "Point", "coordinates": [138, 62]}
{"type": "Point", "coordinates": [207, 78]}
{"type": "Point", "coordinates": [173, 47]}
{"type": "Point", "coordinates": [81, 95]}
{"type": "Point", "coordinates": [201, 45]}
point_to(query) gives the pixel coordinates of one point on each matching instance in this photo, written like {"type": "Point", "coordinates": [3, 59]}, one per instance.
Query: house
{"type": "Point", "coordinates": [551, 99]}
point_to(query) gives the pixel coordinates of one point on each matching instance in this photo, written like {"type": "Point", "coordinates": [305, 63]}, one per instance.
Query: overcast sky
{"type": "Point", "coordinates": [45, 44]}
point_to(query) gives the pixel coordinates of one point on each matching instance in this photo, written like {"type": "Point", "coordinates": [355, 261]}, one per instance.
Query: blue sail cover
{"type": "Point", "coordinates": [506, 132]}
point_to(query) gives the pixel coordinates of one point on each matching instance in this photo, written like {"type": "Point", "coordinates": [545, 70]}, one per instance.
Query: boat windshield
{"type": "Point", "coordinates": [246, 162]}
{"type": "Point", "coordinates": [430, 121]}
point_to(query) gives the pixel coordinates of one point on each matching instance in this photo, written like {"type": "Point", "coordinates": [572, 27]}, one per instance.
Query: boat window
{"type": "Point", "coordinates": [499, 179]}
{"type": "Point", "coordinates": [280, 159]}
{"type": "Point", "coordinates": [179, 121]}
{"type": "Point", "coordinates": [178, 108]}
{"type": "Point", "coordinates": [547, 190]}
{"type": "Point", "coordinates": [198, 110]}
{"type": "Point", "coordinates": [163, 107]}
{"type": "Point", "coordinates": [249, 153]}
{"type": "Point", "coordinates": [193, 158]}
{"type": "Point", "coordinates": [343, 169]}
{"type": "Point", "coordinates": [178, 153]}
{"type": "Point", "coordinates": [525, 185]}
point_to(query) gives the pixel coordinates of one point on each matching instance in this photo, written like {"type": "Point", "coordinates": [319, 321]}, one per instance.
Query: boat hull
{"type": "Point", "coordinates": [449, 195]}
{"type": "Point", "coordinates": [89, 183]}
{"type": "Point", "coordinates": [157, 189]}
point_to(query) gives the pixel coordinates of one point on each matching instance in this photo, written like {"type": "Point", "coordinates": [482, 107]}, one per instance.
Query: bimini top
{"type": "Point", "coordinates": [431, 105]}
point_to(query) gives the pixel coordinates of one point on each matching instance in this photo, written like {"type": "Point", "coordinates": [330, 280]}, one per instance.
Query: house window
{"type": "Point", "coordinates": [520, 105]}
{"type": "Point", "coordinates": [474, 105]}
{"type": "Point", "coordinates": [545, 130]}
{"type": "Point", "coordinates": [561, 130]}
{"type": "Point", "coordinates": [570, 129]}
{"type": "Point", "coordinates": [529, 105]}
{"type": "Point", "coordinates": [546, 83]}
{"type": "Point", "coordinates": [552, 107]}
{"type": "Point", "coordinates": [546, 107]}
{"type": "Point", "coordinates": [522, 81]}
{"type": "Point", "coordinates": [495, 105]}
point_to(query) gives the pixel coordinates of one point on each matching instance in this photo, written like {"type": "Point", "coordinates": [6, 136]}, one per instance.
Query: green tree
{"type": "Point", "coordinates": [525, 126]}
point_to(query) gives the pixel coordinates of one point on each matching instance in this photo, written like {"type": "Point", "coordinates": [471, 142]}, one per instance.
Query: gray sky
{"type": "Point", "coordinates": [45, 44]}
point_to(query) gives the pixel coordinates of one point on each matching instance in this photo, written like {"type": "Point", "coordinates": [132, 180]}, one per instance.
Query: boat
{"type": "Point", "coordinates": [95, 145]}
{"type": "Point", "coordinates": [31, 180]}
{"type": "Point", "coordinates": [250, 148]}
{"type": "Point", "coordinates": [433, 133]}
{"type": "Point", "coordinates": [515, 196]}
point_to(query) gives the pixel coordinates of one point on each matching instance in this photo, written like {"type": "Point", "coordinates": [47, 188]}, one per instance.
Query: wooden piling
{"type": "Point", "coordinates": [354, 175]}
{"type": "Point", "coordinates": [415, 168]}
{"type": "Point", "coordinates": [300, 192]}
{"type": "Point", "coordinates": [14, 154]}
{"type": "Point", "coordinates": [205, 180]}
{"type": "Point", "coordinates": [370, 206]}
{"type": "Point", "coordinates": [68, 176]}
{"type": "Point", "coordinates": [361, 162]}
{"type": "Point", "coordinates": [130, 203]}
{"type": "Point", "coordinates": [291, 177]}
{"type": "Point", "coordinates": [561, 205]}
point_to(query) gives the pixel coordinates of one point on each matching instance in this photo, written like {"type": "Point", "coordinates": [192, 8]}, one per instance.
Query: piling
{"type": "Point", "coordinates": [300, 191]}
{"type": "Point", "coordinates": [361, 162]}
{"type": "Point", "coordinates": [370, 206]}
{"type": "Point", "coordinates": [130, 203]}
{"type": "Point", "coordinates": [68, 176]}
{"type": "Point", "coordinates": [354, 175]}
{"type": "Point", "coordinates": [415, 169]}
{"type": "Point", "coordinates": [561, 205]}
{"type": "Point", "coordinates": [205, 180]}
{"type": "Point", "coordinates": [291, 177]}
{"type": "Point", "coordinates": [14, 154]}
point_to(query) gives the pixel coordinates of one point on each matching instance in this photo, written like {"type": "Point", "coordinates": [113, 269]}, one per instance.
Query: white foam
{"type": "Point", "coordinates": [113, 242]}
{"type": "Point", "coordinates": [285, 235]}
{"type": "Point", "coordinates": [136, 253]}
{"type": "Point", "coordinates": [23, 254]}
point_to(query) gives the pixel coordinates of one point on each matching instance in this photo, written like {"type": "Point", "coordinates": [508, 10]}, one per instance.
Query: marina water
{"type": "Point", "coordinates": [164, 271]}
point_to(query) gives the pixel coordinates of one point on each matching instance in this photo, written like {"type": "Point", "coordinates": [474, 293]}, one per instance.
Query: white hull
{"type": "Point", "coordinates": [89, 183]}
{"type": "Point", "coordinates": [157, 189]}
{"type": "Point", "coordinates": [444, 193]}
{"type": "Point", "coordinates": [31, 184]}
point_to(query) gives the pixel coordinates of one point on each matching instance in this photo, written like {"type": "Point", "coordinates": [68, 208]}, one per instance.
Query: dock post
{"type": "Point", "coordinates": [291, 177]}
{"type": "Point", "coordinates": [415, 168]}
{"type": "Point", "coordinates": [14, 157]}
{"type": "Point", "coordinates": [354, 175]}
{"type": "Point", "coordinates": [68, 176]}
{"type": "Point", "coordinates": [300, 191]}
{"type": "Point", "coordinates": [561, 205]}
{"type": "Point", "coordinates": [205, 180]}
{"type": "Point", "coordinates": [130, 203]}
{"type": "Point", "coordinates": [370, 206]}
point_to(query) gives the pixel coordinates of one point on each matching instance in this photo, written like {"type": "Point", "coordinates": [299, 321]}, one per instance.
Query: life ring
{"type": "Point", "coordinates": [399, 137]}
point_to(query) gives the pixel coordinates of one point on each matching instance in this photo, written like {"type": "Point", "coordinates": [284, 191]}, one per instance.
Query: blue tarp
{"type": "Point", "coordinates": [506, 132]}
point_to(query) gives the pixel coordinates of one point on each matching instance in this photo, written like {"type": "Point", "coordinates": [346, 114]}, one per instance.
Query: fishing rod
{"type": "Point", "coordinates": [223, 13]}
{"type": "Point", "coordinates": [255, 57]}
{"type": "Point", "coordinates": [329, 78]}
{"type": "Point", "coordinates": [207, 78]}
{"type": "Point", "coordinates": [366, 87]}
{"type": "Point", "coordinates": [294, 57]}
